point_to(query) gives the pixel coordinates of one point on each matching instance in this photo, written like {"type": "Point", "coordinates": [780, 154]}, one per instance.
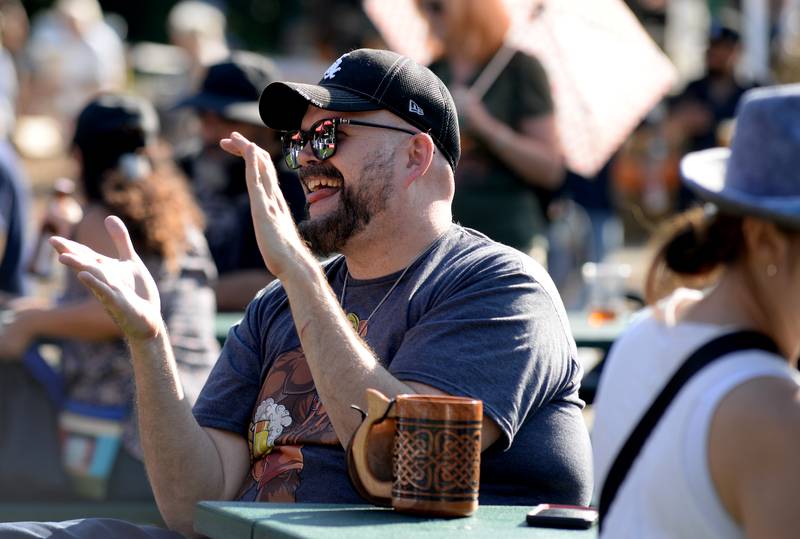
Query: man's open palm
{"type": "Point", "coordinates": [123, 285]}
{"type": "Point", "coordinates": [276, 234]}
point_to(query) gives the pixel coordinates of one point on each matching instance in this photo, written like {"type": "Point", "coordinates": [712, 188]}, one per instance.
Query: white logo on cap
{"type": "Point", "coordinates": [416, 109]}
{"type": "Point", "coordinates": [335, 67]}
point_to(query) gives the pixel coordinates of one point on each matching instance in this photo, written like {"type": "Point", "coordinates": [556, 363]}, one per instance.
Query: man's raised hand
{"type": "Point", "coordinates": [277, 236]}
{"type": "Point", "coordinates": [123, 285]}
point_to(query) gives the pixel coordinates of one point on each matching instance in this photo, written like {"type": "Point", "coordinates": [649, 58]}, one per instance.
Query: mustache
{"type": "Point", "coordinates": [325, 170]}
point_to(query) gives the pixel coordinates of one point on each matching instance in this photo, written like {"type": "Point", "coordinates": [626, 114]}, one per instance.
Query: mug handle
{"type": "Point", "coordinates": [379, 407]}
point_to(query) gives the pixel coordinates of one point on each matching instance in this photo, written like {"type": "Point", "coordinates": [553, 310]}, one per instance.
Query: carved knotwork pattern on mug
{"type": "Point", "coordinates": [436, 460]}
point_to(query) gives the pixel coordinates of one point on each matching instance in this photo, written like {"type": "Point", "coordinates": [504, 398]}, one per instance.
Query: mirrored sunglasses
{"type": "Point", "coordinates": [322, 136]}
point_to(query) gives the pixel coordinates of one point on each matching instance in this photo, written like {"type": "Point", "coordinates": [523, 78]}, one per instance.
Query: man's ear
{"type": "Point", "coordinates": [420, 156]}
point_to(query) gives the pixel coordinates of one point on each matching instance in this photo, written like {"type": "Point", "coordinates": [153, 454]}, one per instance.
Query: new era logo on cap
{"type": "Point", "coordinates": [416, 109]}
{"type": "Point", "coordinates": [335, 67]}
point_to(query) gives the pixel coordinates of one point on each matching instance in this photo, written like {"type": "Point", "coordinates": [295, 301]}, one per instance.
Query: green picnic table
{"type": "Point", "coordinates": [241, 520]}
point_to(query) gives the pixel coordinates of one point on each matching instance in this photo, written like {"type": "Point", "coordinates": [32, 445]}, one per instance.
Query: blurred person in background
{"type": "Point", "coordinates": [511, 160]}
{"type": "Point", "coordinates": [14, 27]}
{"type": "Point", "coordinates": [122, 173]}
{"type": "Point", "coordinates": [645, 179]}
{"type": "Point", "coordinates": [14, 196]}
{"type": "Point", "coordinates": [73, 54]}
{"type": "Point", "coordinates": [227, 101]}
{"type": "Point", "coordinates": [14, 209]}
{"type": "Point", "coordinates": [198, 28]}
{"type": "Point", "coordinates": [340, 30]}
{"type": "Point", "coordinates": [787, 41]}
{"type": "Point", "coordinates": [9, 85]}
{"type": "Point", "coordinates": [722, 459]}
{"type": "Point", "coordinates": [197, 31]}
{"type": "Point", "coordinates": [701, 111]}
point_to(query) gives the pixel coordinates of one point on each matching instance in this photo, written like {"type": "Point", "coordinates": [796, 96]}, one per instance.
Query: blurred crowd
{"type": "Point", "coordinates": [54, 58]}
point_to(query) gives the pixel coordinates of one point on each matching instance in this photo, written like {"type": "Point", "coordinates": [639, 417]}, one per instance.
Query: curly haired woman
{"type": "Point", "coordinates": [83, 440]}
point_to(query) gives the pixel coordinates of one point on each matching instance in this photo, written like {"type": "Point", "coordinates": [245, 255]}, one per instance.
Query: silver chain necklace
{"type": "Point", "coordinates": [361, 326]}
{"type": "Point", "coordinates": [358, 325]}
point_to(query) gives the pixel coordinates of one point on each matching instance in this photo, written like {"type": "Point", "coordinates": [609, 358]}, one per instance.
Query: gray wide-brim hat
{"type": "Point", "coordinates": [760, 174]}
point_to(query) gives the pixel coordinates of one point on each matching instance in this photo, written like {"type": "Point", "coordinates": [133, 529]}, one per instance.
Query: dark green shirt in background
{"type": "Point", "coordinates": [490, 197]}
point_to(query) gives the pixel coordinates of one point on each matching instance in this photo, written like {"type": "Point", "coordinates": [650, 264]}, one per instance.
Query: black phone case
{"type": "Point", "coordinates": [561, 517]}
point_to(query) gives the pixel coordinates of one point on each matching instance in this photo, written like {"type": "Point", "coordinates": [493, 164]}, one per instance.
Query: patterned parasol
{"type": "Point", "coordinates": [606, 73]}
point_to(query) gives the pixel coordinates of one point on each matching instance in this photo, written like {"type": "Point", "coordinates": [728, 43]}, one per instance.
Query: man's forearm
{"type": "Point", "coordinates": [182, 461]}
{"type": "Point", "coordinates": [341, 364]}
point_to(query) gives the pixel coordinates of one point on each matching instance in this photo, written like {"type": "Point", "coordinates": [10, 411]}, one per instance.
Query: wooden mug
{"type": "Point", "coordinates": [434, 445]}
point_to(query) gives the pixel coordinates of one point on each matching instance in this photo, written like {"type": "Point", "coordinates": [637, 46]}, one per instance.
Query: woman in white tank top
{"type": "Point", "coordinates": [724, 459]}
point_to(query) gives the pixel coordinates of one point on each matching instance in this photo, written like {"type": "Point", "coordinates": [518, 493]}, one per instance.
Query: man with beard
{"type": "Point", "coordinates": [228, 101]}
{"type": "Point", "coordinates": [415, 304]}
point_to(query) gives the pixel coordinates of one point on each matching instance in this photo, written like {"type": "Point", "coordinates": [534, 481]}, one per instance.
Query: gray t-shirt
{"type": "Point", "coordinates": [470, 317]}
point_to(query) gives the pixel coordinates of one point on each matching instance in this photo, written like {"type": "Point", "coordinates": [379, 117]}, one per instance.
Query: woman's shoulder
{"type": "Point", "coordinates": [769, 401]}
{"type": "Point", "coordinates": [753, 448]}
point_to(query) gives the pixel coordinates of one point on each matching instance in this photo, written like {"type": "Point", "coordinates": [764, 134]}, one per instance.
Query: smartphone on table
{"type": "Point", "coordinates": [573, 517]}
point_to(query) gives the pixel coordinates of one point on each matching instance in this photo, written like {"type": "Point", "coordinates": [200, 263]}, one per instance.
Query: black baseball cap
{"type": "Point", "coordinates": [720, 33]}
{"type": "Point", "coordinates": [370, 79]}
{"type": "Point", "coordinates": [232, 88]}
{"type": "Point", "coordinates": [725, 27]}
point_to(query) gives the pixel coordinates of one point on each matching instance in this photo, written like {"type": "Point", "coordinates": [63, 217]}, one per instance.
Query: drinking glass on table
{"type": "Point", "coordinates": [605, 282]}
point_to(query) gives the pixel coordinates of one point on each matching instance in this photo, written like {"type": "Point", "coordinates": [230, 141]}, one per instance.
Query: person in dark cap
{"type": "Point", "coordinates": [697, 420]}
{"type": "Point", "coordinates": [413, 304]}
{"type": "Point", "coordinates": [702, 112]}
{"type": "Point", "coordinates": [95, 452]}
{"type": "Point", "coordinates": [228, 101]}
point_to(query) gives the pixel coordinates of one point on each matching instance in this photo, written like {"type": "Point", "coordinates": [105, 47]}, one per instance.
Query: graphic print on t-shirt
{"type": "Point", "coordinates": [360, 326]}
{"type": "Point", "coordinates": [288, 414]}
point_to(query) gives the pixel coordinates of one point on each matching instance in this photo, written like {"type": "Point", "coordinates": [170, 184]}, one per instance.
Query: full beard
{"type": "Point", "coordinates": [357, 206]}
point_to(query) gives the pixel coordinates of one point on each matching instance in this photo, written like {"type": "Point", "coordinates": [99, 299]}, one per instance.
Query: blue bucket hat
{"type": "Point", "coordinates": [760, 174]}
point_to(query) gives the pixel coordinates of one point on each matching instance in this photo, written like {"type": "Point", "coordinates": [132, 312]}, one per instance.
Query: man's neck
{"type": "Point", "coordinates": [372, 257]}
